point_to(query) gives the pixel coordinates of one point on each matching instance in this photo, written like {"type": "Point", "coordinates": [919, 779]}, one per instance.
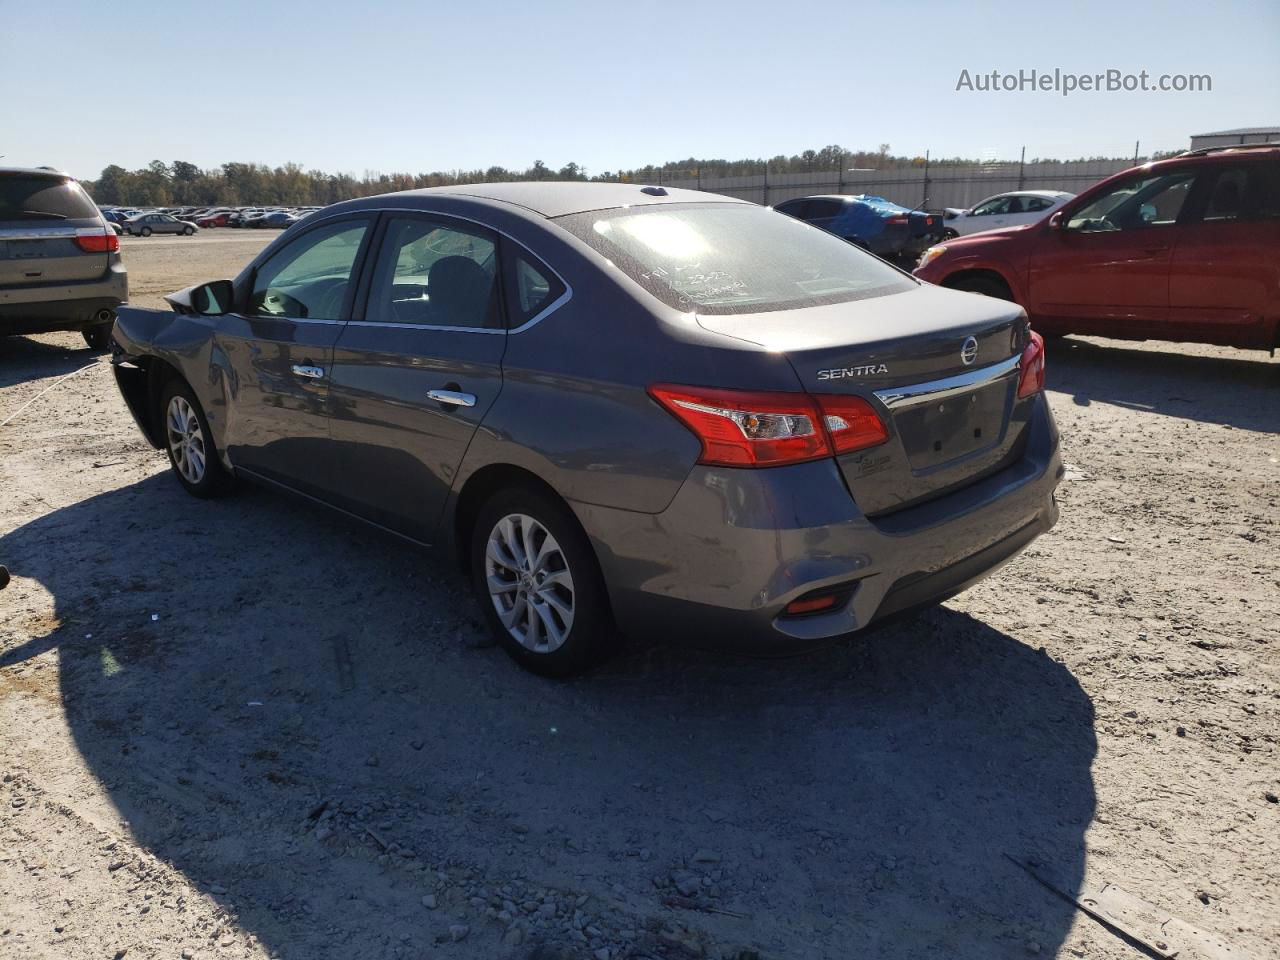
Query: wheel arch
{"type": "Point", "coordinates": [476, 491]}
{"type": "Point", "coordinates": [985, 272]}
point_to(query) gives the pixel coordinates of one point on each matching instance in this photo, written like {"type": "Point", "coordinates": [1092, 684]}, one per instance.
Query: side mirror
{"type": "Point", "coordinates": [209, 299]}
{"type": "Point", "coordinates": [1057, 221]}
{"type": "Point", "coordinates": [213, 299]}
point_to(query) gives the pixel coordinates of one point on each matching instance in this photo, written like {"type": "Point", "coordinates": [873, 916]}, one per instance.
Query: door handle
{"type": "Point", "coordinates": [312, 373]}
{"type": "Point", "coordinates": [452, 397]}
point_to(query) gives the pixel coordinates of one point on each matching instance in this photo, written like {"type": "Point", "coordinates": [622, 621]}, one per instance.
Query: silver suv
{"type": "Point", "coordinates": [60, 266]}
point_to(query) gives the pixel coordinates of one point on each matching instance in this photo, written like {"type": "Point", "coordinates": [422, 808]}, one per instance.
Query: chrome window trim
{"type": "Point", "coordinates": [551, 308]}
{"type": "Point", "coordinates": [894, 397]}
{"type": "Point", "coordinates": [63, 233]}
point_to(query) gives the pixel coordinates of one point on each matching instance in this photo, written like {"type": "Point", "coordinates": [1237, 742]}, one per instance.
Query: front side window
{"type": "Point", "coordinates": [988, 208]}
{"type": "Point", "coordinates": [717, 258]}
{"type": "Point", "coordinates": [310, 278]}
{"type": "Point", "coordinates": [1136, 204]}
{"type": "Point", "coordinates": [438, 274]}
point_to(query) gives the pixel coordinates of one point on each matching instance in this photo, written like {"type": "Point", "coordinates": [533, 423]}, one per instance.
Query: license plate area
{"type": "Point", "coordinates": [23, 249]}
{"type": "Point", "coordinates": [937, 432]}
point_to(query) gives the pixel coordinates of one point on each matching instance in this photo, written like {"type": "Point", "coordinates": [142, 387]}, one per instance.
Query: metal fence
{"type": "Point", "coordinates": [912, 184]}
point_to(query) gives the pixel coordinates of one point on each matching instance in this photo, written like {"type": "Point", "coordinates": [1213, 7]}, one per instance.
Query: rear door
{"type": "Point", "coordinates": [416, 373]}
{"type": "Point", "coordinates": [40, 217]}
{"type": "Point", "coordinates": [278, 347]}
{"type": "Point", "coordinates": [1106, 272]}
{"type": "Point", "coordinates": [1224, 283]}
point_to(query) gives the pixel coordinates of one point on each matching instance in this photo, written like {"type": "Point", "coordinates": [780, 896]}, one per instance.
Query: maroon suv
{"type": "Point", "coordinates": [1184, 249]}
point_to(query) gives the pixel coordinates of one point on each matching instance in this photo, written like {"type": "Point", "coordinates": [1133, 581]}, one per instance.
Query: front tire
{"type": "Point", "coordinates": [189, 442]}
{"type": "Point", "coordinates": [188, 231]}
{"type": "Point", "coordinates": [145, 231]}
{"type": "Point", "coordinates": [538, 582]}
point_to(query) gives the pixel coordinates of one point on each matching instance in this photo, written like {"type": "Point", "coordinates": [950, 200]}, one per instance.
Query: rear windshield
{"type": "Point", "coordinates": [733, 258]}
{"type": "Point", "coordinates": [27, 197]}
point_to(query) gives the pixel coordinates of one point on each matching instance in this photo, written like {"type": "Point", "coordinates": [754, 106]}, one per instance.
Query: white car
{"type": "Point", "coordinates": [1003, 210]}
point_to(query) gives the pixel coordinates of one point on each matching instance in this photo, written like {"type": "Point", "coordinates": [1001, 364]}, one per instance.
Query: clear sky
{"type": "Point", "coordinates": [419, 86]}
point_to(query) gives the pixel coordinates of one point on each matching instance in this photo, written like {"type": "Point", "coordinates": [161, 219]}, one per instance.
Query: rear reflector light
{"type": "Point", "coordinates": [98, 242]}
{"type": "Point", "coordinates": [810, 605]}
{"type": "Point", "coordinates": [818, 601]}
{"type": "Point", "coordinates": [756, 429]}
{"type": "Point", "coordinates": [1031, 377]}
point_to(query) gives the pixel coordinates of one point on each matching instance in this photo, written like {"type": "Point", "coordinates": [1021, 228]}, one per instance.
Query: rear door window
{"type": "Point", "coordinates": [1245, 192]}
{"type": "Point", "coordinates": [436, 273]}
{"type": "Point", "coordinates": [32, 197]}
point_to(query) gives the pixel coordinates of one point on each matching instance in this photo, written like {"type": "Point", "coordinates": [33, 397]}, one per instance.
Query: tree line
{"type": "Point", "coordinates": [181, 183]}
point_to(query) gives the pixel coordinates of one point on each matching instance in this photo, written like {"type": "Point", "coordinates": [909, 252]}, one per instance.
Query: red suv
{"type": "Point", "coordinates": [1182, 249]}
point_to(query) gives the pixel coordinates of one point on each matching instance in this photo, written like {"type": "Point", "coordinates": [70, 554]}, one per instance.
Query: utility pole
{"type": "Point", "coordinates": [1135, 151]}
{"type": "Point", "coordinates": [925, 196]}
{"type": "Point", "coordinates": [1022, 164]}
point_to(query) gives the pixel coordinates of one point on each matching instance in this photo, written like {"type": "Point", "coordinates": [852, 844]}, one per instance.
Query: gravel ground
{"type": "Point", "coordinates": [247, 728]}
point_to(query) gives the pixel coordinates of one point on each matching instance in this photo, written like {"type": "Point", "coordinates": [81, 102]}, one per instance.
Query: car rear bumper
{"type": "Point", "coordinates": [720, 564]}
{"type": "Point", "coordinates": [62, 306]}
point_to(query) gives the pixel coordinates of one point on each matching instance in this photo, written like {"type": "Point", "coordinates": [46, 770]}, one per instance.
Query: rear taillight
{"type": "Point", "coordinates": [897, 221]}
{"type": "Point", "coordinates": [95, 241]}
{"type": "Point", "coordinates": [851, 423]}
{"type": "Point", "coordinates": [1031, 367]}
{"type": "Point", "coordinates": [756, 429]}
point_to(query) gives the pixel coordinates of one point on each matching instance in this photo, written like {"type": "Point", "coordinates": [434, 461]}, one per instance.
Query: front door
{"type": "Point", "coordinates": [278, 348]}
{"type": "Point", "coordinates": [1106, 271]}
{"type": "Point", "coordinates": [413, 377]}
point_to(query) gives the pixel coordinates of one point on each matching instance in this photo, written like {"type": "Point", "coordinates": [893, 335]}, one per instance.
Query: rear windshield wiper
{"type": "Point", "coordinates": [43, 213]}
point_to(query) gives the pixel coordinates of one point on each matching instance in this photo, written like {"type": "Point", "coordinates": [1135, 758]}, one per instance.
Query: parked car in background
{"type": "Point", "coordinates": [873, 223]}
{"type": "Point", "coordinates": [688, 415]}
{"type": "Point", "coordinates": [1183, 249]}
{"type": "Point", "coordinates": [220, 219]}
{"type": "Point", "coordinates": [1003, 210]}
{"type": "Point", "coordinates": [149, 223]}
{"type": "Point", "coordinates": [60, 266]}
{"type": "Point", "coordinates": [277, 220]}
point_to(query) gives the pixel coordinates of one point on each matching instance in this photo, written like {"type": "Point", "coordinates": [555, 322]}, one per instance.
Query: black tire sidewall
{"type": "Point", "coordinates": [97, 337]}
{"type": "Point", "coordinates": [588, 636]}
{"type": "Point", "coordinates": [145, 231]}
{"type": "Point", "coordinates": [215, 480]}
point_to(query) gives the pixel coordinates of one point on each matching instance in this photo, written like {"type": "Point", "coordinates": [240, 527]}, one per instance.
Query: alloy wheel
{"type": "Point", "coordinates": [529, 583]}
{"type": "Point", "coordinates": [186, 439]}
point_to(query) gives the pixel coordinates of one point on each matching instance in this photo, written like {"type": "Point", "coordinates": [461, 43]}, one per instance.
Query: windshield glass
{"type": "Point", "coordinates": [733, 258]}
{"type": "Point", "coordinates": [35, 197]}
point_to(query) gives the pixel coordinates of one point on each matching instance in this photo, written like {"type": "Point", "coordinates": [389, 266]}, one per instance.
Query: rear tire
{"type": "Point", "coordinates": [97, 337]}
{"type": "Point", "coordinates": [987, 286]}
{"type": "Point", "coordinates": [531, 561]}
{"type": "Point", "coordinates": [145, 231]}
{"type": "Point", "coordinates": [189, 442]}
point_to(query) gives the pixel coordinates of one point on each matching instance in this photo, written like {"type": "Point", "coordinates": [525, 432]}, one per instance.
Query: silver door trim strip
{"type": "Point", "coordinates": [932, 390]}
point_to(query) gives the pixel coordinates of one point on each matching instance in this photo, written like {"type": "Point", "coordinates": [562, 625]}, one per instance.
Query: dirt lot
{"type": "Point", "coordinates": [245, 728]}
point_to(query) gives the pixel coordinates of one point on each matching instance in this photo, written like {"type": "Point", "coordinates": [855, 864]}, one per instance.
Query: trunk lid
{"type": "Point", "coordinates": [939, 367]}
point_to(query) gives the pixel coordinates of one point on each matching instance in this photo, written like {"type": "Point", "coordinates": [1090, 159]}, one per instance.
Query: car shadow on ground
{"type": "Point", "coordinates": [313, 730]}
{"type": "Point", "coordinates": [27, 358]}
{"type": "Point", "coordinates": [1242, 391]}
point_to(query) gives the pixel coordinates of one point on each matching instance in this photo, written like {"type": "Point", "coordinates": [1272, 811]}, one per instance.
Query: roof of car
{"type": "Point", "coordinates": [553, 198]}
{"type": "Point", "coordinates": [35, 171]}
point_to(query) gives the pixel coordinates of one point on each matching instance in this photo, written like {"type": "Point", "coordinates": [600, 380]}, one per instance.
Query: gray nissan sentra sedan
{"type": "Point", "coordinates": [676, 413]}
